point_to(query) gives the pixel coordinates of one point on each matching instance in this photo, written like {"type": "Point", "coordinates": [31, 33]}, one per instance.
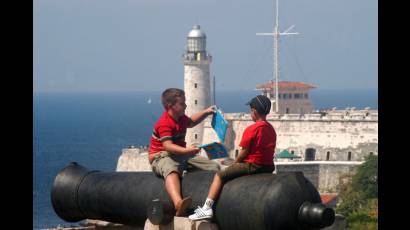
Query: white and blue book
{"type": "Point", "coordinates": [216, 150]}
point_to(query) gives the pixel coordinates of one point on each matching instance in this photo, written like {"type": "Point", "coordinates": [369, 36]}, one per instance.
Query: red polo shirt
{"type": "Point", "coordinates": [260, 139]}
{"type": "Point", "coordinates": [167, 128]}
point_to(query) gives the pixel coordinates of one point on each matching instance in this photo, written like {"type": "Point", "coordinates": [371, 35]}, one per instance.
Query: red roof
{"type": "Point", "coordinates": [326, 198]}
{"type": "Point", "coordinates": [286, 85]}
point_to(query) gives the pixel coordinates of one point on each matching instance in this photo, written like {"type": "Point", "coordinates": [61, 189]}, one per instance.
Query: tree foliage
{"type": "Point", "coordinates": [365, 180]}
{"type": "Point", "coordinates": [359, 198]}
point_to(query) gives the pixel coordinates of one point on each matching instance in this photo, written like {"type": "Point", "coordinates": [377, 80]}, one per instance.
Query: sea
{"type": "Point", "coordinates": [93, 128]}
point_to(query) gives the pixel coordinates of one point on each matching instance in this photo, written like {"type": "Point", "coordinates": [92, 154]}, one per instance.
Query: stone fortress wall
{"type": "Point", "coordinates": [334, 133]}
{"type": "Point", "coordinates": [326, 176]}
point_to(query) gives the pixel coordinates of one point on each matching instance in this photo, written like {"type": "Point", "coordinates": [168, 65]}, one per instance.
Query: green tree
{"type": "Point", "coordinates": [359, 198]}
{"type": "Point", "coordinates": [351, 201]}
{"type": "Point", "coordinates": [365, 180]}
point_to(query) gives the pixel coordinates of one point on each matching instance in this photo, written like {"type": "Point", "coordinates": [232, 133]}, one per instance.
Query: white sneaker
{"type": "Point", "coordinates": [201, 214]}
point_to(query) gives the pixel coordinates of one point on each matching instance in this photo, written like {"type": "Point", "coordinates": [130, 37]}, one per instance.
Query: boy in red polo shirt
{"type": "Point", "coordinates": [168, 154]}
{"type": "Point", "coordinates": [256, 156]}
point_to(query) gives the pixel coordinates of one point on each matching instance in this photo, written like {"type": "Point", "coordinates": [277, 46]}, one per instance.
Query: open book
{"type": "Point", "coordinates": [216, 150]}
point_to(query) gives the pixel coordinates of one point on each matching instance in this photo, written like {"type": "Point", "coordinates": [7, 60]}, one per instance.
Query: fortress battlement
{"type": "Point", "coordinates": [325, 115]}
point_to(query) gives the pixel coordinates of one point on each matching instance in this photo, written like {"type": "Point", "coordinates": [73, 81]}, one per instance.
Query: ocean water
{"type": "Point", "coordinates": [93, 128]}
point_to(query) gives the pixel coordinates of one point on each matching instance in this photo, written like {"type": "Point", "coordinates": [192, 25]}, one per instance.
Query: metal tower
{"type": "Point", "coordinates": [276, 35]}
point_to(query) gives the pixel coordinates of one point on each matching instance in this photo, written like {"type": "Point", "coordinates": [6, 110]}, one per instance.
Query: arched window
{"type": "Point", "coordinates": [196, 136]}
{"type": "Point", "coordinates": [349, 156]}
{"type": "Point", "coordinates": [327, 155]}
{"type": "Point", "coordinates": [310, 154]}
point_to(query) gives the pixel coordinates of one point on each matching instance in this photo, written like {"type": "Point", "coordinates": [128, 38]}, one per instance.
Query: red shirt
{"type": "Point", "coordinates": [260, 139]}
{"type": "Point", "coordinates": [167, 128]}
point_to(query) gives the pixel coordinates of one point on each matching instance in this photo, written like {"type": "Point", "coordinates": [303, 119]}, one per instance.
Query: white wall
{"type": "Point", "coordinates": [337, 134]}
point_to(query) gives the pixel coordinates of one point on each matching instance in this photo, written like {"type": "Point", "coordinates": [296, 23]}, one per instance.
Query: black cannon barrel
{"type": "Point", "coordinates": [260, 201]}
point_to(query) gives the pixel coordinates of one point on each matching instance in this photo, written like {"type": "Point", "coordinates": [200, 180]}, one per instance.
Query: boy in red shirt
{"type": "Point", "coordinates": [168, 154]}
{"type": "Point", "coordinates": [256, 156]}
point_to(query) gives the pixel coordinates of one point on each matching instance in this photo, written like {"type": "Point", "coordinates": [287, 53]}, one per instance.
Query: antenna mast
{"type": "Point", "coordinates": [214, 91]}
{"type": "Point", "coordinates": [276, 35]}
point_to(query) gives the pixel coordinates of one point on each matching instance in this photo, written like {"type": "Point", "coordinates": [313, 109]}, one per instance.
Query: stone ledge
{"type": "Point", "coordinates": [105, 225]}
{"type": "Point", "coordinates": [182, 223]}
{"type": "Point", "coordinates": [178, 223]}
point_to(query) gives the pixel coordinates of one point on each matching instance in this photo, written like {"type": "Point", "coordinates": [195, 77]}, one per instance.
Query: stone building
{"type": "Point", "coordinates": [293, 96]}
{"type": "Point", "coordinates": [330, 144]}
{"type": "Point", "coordinates": [334, 135]}
{"type": "Point", "coordinates": [196, 80]}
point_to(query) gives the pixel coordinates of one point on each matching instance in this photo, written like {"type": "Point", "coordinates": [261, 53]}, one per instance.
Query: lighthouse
{"type": "Point", "coordinates": [196, 80]}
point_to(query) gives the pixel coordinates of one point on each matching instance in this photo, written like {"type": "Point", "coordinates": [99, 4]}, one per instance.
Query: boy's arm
{"type": "Point", "coordinates": [242, 155]}
{"type": "Point", "coordinates": [200, 116]}
{"type": "Point", "coordinates": [176, 149]}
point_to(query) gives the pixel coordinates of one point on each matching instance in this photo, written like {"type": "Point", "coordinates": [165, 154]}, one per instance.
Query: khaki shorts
{"type": "Point", "coordinates": [165, 163]}
{"type": "Point", "coordinates": [242, 169]}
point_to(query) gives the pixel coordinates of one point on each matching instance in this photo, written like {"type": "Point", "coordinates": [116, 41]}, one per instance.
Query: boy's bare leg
{"type": "Point", "coordinates": [215, 188]}
{"type": "Point", "coordinates": [173, 187]}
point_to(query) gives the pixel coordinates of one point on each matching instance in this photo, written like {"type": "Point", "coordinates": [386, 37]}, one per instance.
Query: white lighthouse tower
{"type": "Point", "coordinates": [196, 80]}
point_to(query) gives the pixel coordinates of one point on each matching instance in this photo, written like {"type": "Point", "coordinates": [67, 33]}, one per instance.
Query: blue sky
{"type": "Point", "coordinates": [124, 45]}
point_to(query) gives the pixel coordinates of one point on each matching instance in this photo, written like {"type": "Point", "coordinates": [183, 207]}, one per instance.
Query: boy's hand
{"type": "Point", "coordinates": [201, 115]}
{"type": "Point", "coordinates": [211, 109]}
{"type": "Point", "coordinates": [192, 149]}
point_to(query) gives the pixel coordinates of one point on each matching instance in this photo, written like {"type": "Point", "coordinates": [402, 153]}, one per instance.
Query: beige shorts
{"type": "Point", "coordinates": [165, 163]}
{"type": "Point", "coordinates": [243, 169]}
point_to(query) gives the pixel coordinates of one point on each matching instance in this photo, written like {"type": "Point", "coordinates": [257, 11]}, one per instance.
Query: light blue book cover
{"type": "Point", "coordinates": [215, 150]}
{"type": "Point", "coordinates": [219, 124]}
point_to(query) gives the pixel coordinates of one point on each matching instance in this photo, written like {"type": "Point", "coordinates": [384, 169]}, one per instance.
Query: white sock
{"type": "Point", "coordinates": [208, 204]}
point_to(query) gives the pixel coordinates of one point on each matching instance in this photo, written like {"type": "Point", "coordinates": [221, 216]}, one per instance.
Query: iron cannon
{"type": "Point", "coordinates": [261, 201]}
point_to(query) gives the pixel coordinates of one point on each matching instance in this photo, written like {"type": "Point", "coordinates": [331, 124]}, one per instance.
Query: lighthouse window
{"type": "Point", "coordinates": [196, 85]}
{"type": "Point", "coordinates": [196, 102]}
{"type": "Point", "coordinates": [193, 45]}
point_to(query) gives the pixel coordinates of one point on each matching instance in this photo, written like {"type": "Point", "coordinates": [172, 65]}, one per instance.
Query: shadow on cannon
{"type": "Point", "coordinates": [261, 201]}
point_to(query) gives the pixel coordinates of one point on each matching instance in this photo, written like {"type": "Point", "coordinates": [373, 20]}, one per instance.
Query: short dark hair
{"type": "Point", "coordinates": [261, 103]}
{"type": "Point", "coordinates": [170, 95]}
